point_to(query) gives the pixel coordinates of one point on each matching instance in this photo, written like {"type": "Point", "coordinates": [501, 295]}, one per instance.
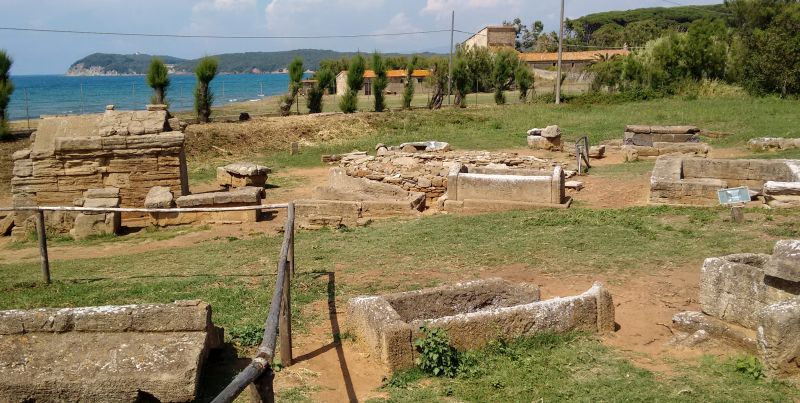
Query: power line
{"type": "Point", "coordinates": [69, 31]}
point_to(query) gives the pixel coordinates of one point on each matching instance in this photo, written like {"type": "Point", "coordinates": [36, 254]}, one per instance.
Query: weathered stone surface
{"type": "Point", "coordinates": [691, 322]}
{"type": "Point", "coordinates": [782, 188]}
{"type": "Point", "coordinates": [696, 181]}
{"type": "Point", "coordinates": [6, 224]}
{"type": "Point", "coordinates": [22, 168]}
{"type": "Point", "coordinates": [109, 353]}
{"type": "Point", "coordinates": [551, 132]}
{"type": "Point", "coordinates": [473, 313]}
{"type": "Point", "coordinates": [21, 154]}
{"type": "Point", "coordinates": [785, 261]}
{"type": "Point", "coordinates": [734, 288]}
{"type": "Point", "coordinates": [544, 143]}
{"type": "Point", "coordinates": [242, 174]}
{"type": "Point", "coordinates": [104, 193]}
{"type": "Point", "coordinates": [244, 196]}
{"type": "Point", "coordinates": [779, 337]}
{"type": "Point", "coordinates": [773, 143]}
{"type": "Point", "coordinates": [500, 186]}
{"type": "Point", "coordinates": [428, 146]}
{"type": "Point", "coordinates": [246, 169]}
{"type": "Point", "coordinates": [159, 197]}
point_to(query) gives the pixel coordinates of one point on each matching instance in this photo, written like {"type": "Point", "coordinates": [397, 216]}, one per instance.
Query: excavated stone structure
{"type": "Point", "coordinates": [125, 353]}
{"type": "Point", "coordinates": [652, 141]}
{"type": "Point", "coordinates": [694, 181]}
{"type": "Point", "coordinates": [428, 172]}
{"type": "Point", "coordinates": [753, 300]}
{"type": "Point", "coordinates": [128, 150]}
{"type": "Point", "coordinates": [473, 313]}
{"type": "Point", "coordinates": [503, 188]}
{"type": "Point", "coordinates": [349, 202]}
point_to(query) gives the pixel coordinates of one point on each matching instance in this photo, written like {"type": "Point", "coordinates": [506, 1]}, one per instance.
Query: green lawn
{"type": "Point", "coordinates": [504, 127]}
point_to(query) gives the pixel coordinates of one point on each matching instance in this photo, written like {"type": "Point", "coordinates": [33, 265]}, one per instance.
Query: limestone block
{"type": "Point", "coordinates": [246, 169]}
{"type": "Point", "coordinates": [95, 345]}
{"type": "Point", "coordinates": [22, 167]}
{"type": "Point", "coordinates": [161, 140]}
{"type": "Point", "coordinates": [21, 155]}
{"type": "Point", "coordinates": [597, 151]}
{"type": "Point", "coordinates": [245, 195]}
{"type": "Point", "coordinates": [107, 192]}
{"type": "Point", "coordinates": [778, 335]}
{"type": "Point", "coordinates": [114, 142]}
{"type": "Point", "coordinates": [675, 129]}
{"type": "Point", "coordinates": [785, 261]}
{"type": "Point", "coordinates": [159, 197]}
{"type": "Point", "coordinates": [6, 224]}
{"type": "Point", "coordinates": [691, 322]}
{"type": "Point", "coordinates": [782, 188]}
{"type": "Point", "coordinates": [95, 224]}
{"type": "Point", "coordinates": [544, 143]}
{"type": "Point", "coordinates": [33, 184]}
{"type": "Point", "coordinates": [117, 180]}
{"type": "Point", "coordinates": [66, 144]}
{"type": "Point", "coordinates": [83, 182]}
{"type": "Point", "coordinates": [551, 132]}
{"type": "Point", "coordinates": [637, 129]}
{"type": "Point", "coordinates": [734, 288]}
{"type": "Point", "coordinates": [196, 200]}
{"type": "Point", "coordinates": [48, 168]}
{"type": "Point", "coordinates": [81, 167]}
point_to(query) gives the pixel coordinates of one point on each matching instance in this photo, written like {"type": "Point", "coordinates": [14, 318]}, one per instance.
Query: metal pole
{"type": "Point", "coordinates": [450, 63]}
{"type": "Point", "coordinates": [41, 233]}
{"type": "Point", "coordinates": [27, 113]}
{"type": "Point", "coordinates": [560, 43]}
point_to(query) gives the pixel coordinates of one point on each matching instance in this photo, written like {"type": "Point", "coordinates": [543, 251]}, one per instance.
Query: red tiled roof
{"type": "Point", "coordinates": [417, 73]}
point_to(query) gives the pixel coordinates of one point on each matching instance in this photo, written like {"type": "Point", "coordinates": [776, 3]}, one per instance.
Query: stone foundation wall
{"type": "Point", "coordinates": [427, 172]}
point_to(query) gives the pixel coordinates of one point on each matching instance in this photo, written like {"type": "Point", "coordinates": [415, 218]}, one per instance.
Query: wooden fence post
{"type": "Point", "coordinates": [285, 323]}
{"type": "Point", "coordinates": [261, 390]}
{"type": "Point", "coordinates": [41, 233]}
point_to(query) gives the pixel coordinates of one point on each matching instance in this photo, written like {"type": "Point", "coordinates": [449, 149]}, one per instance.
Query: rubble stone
{"type": "Point", "coordinates": [785, 261]}
{"type": "Point", "coordinates": [159, 197]}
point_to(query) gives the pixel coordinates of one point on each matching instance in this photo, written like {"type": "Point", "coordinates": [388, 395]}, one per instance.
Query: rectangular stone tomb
{"type": "Point", "coordinates": [125, 353]}
{"type": "Point", "coordinates": [504, 188]}
{"type": "Point", "coordinates": [473, 313]}
{"type": "Point", "coordinates": [694, 181]}
{"type": "Point", "coordinates": [753, 301]}
{"type": "Point", "coordinates": [643, 135]}
{"type": "Point", "coordinates": [350, 201]}
{"type": "Point", "coordinates": [245, 196]}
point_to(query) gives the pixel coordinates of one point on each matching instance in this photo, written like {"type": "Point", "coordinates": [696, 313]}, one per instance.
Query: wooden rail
{"type": "Point", "coordinates": [258, 374]}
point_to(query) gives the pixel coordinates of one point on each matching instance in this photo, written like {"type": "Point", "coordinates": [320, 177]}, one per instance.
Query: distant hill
{"type": "Point", "coordinates": [229, 63]}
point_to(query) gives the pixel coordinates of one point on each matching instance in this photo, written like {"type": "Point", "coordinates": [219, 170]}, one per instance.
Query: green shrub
{"type": "Point", "coordinates": [349, 102]}
{"type": "Point", "coordinates": [247, 336]}
{"type": "Point", "coordinates": [380, 81]}
{"type": "Point", "coordinates": [6, 89]}
{"type": "Point", "coordinates": [436, 356]}
{"type": "Point", "coordinates": [750, 366]}
{"type": "Point", "coordinates": [408, 89]}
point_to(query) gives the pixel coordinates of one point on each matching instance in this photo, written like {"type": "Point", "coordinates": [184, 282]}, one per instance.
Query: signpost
{"type": "Point", "coordinates": [736, 198]}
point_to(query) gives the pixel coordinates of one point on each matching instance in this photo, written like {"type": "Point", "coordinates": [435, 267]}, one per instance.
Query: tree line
{"type": "Point", "coordinates": [757, 46]}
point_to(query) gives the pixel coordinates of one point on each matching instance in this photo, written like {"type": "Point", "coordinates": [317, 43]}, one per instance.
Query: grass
{"type": "Point", "coordinates": [492, 128]}
{"type": "Point", "coordinates": [576, 367]}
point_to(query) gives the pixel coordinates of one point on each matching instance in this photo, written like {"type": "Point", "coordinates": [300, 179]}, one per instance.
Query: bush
{"type": "Point", "coordinates": [750, 366]}
{"type": "Point", "coordinates": [436, 356]}
{"type": "Point", "coordinates": [6, 89]}
{"type": "Point", "coordinates": [349, 102]}
{"type": "Point", "coordinates": [380, 81]}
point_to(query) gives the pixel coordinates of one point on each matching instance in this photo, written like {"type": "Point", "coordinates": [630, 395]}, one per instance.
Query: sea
{"type": "Point", "coordinates": [37, 95]}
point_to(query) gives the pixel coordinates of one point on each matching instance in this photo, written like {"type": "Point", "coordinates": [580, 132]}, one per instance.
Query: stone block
{"type": "Point", "coordinates": [87, 225]}
{"type": "Point", "coordinates": [80, 183]}
{"type": "Point", "coordinates": [81, 167]}
{"type": "Point", "coordinates": [544, 143]}
{"type": "Point", "coordinates": [778, 335]}
{"type": "Point", "coordinates": [22, 167]}
{"type": "Point", "coordinates": [734, 288]}
{"type": "Point", "coordinates": [244, 196]}
{"type": "Point", "coordinates": [637, 129]}
{"type": "Point", "coordinates": [159, 197]}
{"type": "Point", "coordinates": [107, 192]}
{"type": "Point", "coordinates": [21, 155]}
{"type": "Point", "coordinates": [551, 132]}
{"type": "Point", "coordinates": [196, 200]}
{"type": "Point", "coordinates": [785, 261]}
{"type": "Point", "coordinates": [67, 144]}
{"type": "Point", "coordinates": [691, 322]}
{"type": "Point", "coordinates": [108, 353]}
{"type": "Point", "coordinates": [48, 168]}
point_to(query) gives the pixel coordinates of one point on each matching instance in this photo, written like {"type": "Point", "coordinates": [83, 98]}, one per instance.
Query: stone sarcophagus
{"type": "Point", "coordinates": [473, 313]}
{"type": "Point", "coordinates": [503, 188]}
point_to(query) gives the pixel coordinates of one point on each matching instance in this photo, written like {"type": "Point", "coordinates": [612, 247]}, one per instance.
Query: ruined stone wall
{"type": "Point", "coordinates": [427, 172]}
{"type": "Point", "coordinates": [131, 151]}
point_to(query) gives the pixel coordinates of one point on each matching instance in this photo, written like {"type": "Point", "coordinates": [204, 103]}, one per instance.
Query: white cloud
{"type": "Point", "coordinates": [223, 5]}
{"type": "Point", "coordinates": [399, 23]}
{"type": "Point", "coordinates": [286, 12]}
{"type": "Point", "coordinates": [442, 6]}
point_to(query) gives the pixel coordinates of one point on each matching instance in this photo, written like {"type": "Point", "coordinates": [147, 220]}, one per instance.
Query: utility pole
{"type": "Point", "coordinates": [450, 64]}
{"type": "Point", "coordinates": [560, 42]}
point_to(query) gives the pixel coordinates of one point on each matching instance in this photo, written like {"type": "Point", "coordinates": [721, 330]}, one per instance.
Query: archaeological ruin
{"type": "Point", "coordinates": [695, 181]}
{"type": "Point", "coordinates": [105, 353]}
{"type": "Point", "coordinates": [751, 300]}
{"type": "Point", "coordinates": [640, 141]}
{"type": "Point", "coordinates": [349, 202]}
{"type": "Point", "coordinates": [473, 313]}
{"type": "Point", "coordinates": [131, 151]}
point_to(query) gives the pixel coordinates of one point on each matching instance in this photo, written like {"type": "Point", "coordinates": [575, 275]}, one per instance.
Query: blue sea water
{"type": "Point", "coordinates": [59, 94]}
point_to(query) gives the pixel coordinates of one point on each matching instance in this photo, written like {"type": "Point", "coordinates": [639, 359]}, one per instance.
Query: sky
{"type": "Point", "coordinates": [50, 53]}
